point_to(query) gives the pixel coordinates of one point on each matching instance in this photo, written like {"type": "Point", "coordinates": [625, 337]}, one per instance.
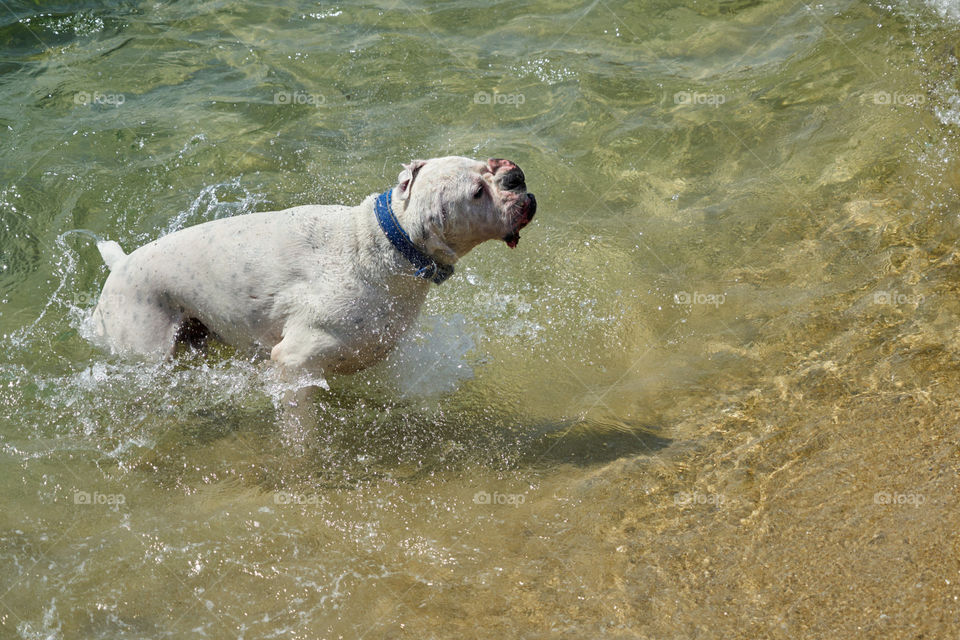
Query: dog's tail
{"type": "Point", "coordinates": [110, 251]}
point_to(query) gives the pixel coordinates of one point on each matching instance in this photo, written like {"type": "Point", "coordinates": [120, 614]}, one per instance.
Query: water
{"type": "Point", "coordinates": [711, 394]}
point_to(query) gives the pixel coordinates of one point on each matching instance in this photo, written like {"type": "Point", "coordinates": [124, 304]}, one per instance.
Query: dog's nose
{"type": "Point", "coordinates": [512, 180]}
{"type": "Point", "coordinates": [509, 177]}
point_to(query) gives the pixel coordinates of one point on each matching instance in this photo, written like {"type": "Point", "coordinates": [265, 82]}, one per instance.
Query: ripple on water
{"type": "Point", "coordinates": [732, 325]}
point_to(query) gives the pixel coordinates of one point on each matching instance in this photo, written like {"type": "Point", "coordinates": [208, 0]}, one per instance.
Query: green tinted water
{"type": "Point", "coordinates": [713, 391]}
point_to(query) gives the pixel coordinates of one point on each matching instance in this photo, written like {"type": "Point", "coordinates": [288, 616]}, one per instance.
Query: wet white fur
{"type": "Point", "coordinates": [317, 287]}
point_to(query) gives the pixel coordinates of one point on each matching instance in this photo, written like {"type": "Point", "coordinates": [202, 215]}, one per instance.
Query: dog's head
{"type": "Point", "coordinates": [450, 205]}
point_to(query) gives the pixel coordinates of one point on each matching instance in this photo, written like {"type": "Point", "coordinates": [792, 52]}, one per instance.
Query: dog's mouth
{"type": "Point", "coordinates": [523, 218]}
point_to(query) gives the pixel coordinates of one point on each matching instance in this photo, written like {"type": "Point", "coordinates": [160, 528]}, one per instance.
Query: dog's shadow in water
{"type": "Point", "coordinates": [586, 443]}
{"type": "Point", "coordinates": [452, 431]}
{"type": "Point", "coordinates": [405, 439]}
{"type": "Point", "coordinates": [364, 432]}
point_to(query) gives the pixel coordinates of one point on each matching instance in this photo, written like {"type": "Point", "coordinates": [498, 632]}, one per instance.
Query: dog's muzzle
{"type": "Point", "coordinates": [509, 177]}
{"type": "Point", "coordinates": [526, 213]}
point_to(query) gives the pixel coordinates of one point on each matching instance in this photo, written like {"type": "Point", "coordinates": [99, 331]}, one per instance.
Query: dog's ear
{"type": "Point", "coordinates": [405, 179]}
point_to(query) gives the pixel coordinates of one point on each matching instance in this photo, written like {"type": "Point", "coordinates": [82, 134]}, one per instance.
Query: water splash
{"type": "Point", "coordinates": [215, 201]}
{"type": "Point", "coordinates": [432, 359]}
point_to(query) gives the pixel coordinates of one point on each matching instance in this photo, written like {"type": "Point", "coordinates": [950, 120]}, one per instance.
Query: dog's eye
{"type": "Point", "coordinates": [478, 192]}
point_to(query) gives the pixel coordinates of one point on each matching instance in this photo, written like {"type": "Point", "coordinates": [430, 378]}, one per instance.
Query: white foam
{"type": "Point", "coordinates": [948, 111]}
{"type": "Point", "coordinates": [946, 9]}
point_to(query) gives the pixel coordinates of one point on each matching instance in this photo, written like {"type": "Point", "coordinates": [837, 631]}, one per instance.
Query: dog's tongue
{"type": "Point", "coordinates": [512, 239]}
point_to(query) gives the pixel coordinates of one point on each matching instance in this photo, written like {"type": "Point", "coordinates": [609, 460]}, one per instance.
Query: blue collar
{"type": "Point", "coordinates": [427, 267]}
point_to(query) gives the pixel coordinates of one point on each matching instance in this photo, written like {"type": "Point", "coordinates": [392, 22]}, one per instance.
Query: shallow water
{"type": "Point", "coordinates": [712, 393]}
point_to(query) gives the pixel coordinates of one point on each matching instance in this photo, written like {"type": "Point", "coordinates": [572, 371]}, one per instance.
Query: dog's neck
{"type": "Point", "coordinates": [430, 259]}
{"type": "Point", "coordinates": [424, 233]}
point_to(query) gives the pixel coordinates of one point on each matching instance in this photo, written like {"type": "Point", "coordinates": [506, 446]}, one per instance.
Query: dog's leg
{"type": "Point", "coordinates": [299, 418]}
{"type": "Point", "coordinates": [128, 323]}
{"type": "Point", "coordinates": [300, 350]}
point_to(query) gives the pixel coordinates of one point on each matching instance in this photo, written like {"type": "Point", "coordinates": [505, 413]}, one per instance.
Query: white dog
{"type": "Point", "coordinates": [328, 289]}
